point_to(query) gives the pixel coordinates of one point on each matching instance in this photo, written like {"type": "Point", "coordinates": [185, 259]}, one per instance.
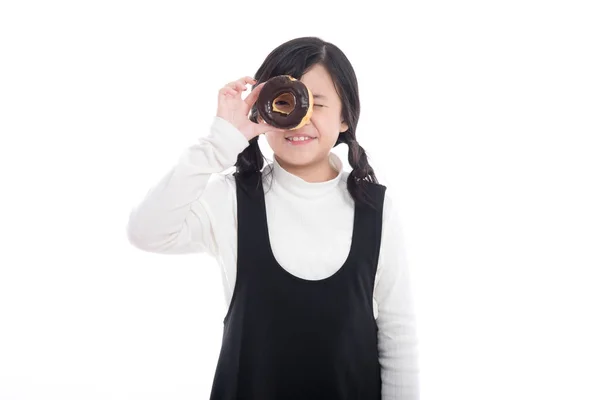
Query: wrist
{"type": "Point", "coordinates": [247, 131]}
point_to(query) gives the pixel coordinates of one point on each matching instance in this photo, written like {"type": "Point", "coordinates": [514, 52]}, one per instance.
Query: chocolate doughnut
{"type": "Point", "coordinates": [285, 103]}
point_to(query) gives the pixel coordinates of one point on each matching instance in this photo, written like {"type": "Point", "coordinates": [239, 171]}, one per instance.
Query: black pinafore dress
{"type": "Point", "coordinates": [287, 338]}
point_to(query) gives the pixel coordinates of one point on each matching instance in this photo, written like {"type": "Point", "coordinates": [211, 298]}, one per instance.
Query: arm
{"type": "Point", "coordinates": [396, 320]}
{"type": "Point", "coordinates": [175, 215]}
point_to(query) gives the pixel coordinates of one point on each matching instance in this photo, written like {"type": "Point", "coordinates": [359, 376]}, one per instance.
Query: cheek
{"type": "Point", "coordinates": [274, 139]}
{"type": "Point", "coordinates": [327, 127]}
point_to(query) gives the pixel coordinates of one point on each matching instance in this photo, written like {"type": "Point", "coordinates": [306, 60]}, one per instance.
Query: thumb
{"type": "Point", "coordinates": [253, 96]}
{"type": "Point", "coordinates": [262, 127]}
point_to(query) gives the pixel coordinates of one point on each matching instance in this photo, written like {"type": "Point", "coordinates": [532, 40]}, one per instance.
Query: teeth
{"type": "Point", "coordinates": [299, 138]}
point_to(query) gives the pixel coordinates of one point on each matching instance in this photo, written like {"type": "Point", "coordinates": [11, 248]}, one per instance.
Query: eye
{"type": "Point", "coordinates": [319, 105]}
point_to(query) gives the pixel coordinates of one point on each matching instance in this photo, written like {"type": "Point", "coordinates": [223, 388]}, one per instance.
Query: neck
{"type": "Point", "coordinates": [320, 171]}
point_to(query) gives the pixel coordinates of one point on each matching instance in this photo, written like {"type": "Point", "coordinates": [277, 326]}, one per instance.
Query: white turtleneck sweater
{"type": "Point", "coordinates": [192, 209]}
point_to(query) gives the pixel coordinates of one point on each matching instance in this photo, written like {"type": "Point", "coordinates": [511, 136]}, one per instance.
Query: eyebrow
{"type": "Point", "coordinates": [319, 96]}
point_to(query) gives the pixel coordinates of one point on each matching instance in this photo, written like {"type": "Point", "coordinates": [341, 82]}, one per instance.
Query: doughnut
{"type": "Point", "coordinates": [285, 103]}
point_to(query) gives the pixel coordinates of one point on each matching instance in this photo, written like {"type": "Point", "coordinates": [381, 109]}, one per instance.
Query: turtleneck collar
{"type": "Point", "coordinates": [301, 188]}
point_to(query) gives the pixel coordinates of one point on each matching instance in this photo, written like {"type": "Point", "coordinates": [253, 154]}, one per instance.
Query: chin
{"type": "Point", "coordinates": [298, 154]}
{"type": "Point", "coordinates": [296, 159]}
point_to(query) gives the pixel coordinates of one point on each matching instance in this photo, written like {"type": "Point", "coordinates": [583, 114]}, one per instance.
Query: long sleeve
{"type": "Point", "coordinates": [177, 215]}
{"type": "Point", "coordinates": [396, 320]}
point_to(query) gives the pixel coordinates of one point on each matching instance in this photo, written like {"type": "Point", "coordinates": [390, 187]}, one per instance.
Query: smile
{"type": "Point", "coordinates": [299, 140]}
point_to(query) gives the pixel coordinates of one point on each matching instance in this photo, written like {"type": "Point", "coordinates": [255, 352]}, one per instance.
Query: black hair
{"type": "Point", "coordinates": [294, 58]}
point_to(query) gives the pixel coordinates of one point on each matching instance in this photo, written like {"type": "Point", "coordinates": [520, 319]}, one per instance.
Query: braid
{"type": "Point", "coordinates": [362, 173]}
{"type": "Point", "coordinates": [251, 159]}
{"type": "Point", "coordinates": [359, 162]}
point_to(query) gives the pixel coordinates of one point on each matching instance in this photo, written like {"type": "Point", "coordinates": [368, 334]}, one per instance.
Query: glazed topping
{"type": "Point", "coordinates": [284, 102]}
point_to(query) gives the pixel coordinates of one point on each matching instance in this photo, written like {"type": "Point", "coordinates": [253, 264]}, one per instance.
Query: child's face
{"type": "Point", "coordinates": [325, 124]}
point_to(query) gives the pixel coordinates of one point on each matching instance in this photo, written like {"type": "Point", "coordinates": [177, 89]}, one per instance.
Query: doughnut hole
{"type": "Point", "coordinates": [284, 103]}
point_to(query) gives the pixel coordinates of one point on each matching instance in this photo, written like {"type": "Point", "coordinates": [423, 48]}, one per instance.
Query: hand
{"type": "Point", "coordinates": [233, 109]}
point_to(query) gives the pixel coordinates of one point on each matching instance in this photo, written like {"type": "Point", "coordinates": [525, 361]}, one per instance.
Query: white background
{"type": "Point", "coordinates": [482, 118]}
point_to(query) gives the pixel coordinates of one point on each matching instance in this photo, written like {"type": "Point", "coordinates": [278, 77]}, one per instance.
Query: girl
{"type": "Point", "coordinates": [319, 303]}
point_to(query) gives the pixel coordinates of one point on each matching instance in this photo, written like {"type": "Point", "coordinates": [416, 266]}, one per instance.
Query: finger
{"type": "Point", "coordinates": [247, 80]}
{"type": "Point", "coordinates": [269, 127]}
{"type": "Point", "coordinates": [253, 96]}
{"type": "Point", "coordinates": [237, 86]}
{"type": "Point", "coordinates": [227, 91]}
{"type": "Point", "coordinates": [263, 128]}
{"type": "Point", "coordinates": [228, 94]}
{"type": "Point", "coordinates": [242, 82]}
{"type": "Point", "coordinates": [266, 127]}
